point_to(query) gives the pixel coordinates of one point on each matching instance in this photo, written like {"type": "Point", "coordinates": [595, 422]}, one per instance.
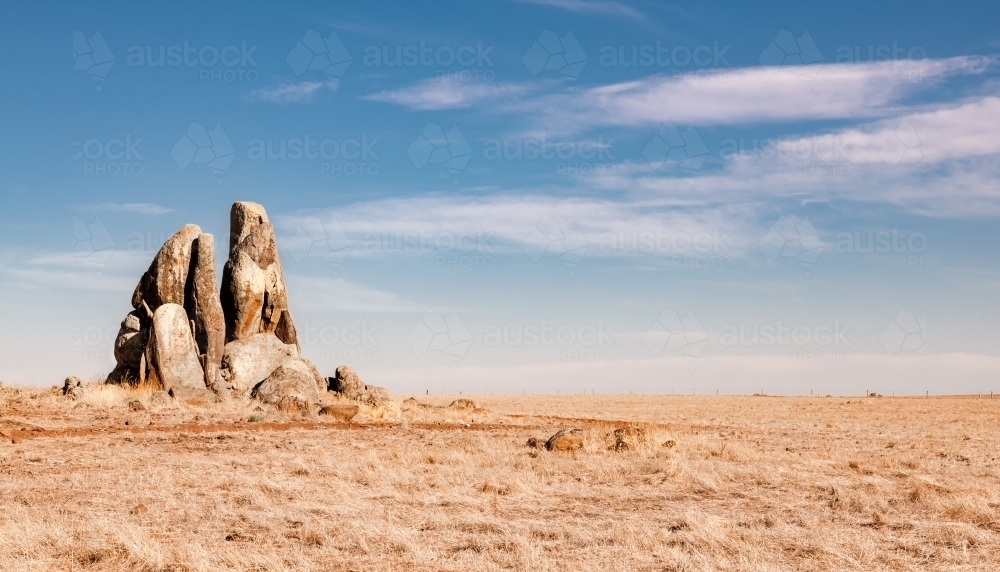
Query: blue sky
{"type": "Point", "coordinates": [525, 196]}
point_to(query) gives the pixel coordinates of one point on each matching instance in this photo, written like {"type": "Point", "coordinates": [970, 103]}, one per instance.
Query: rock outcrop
{"type": "Point", "coordinates": [198, 342]}
{"type": "Point", "coordinates": [349, 385]}
{"type": "Point", "coordinates": [565, 440]}
{"type": "Point", "coordinates": [249, 361]}
{"type": "Point", "coordinates": [206, 310]}
{"type": "Point", "coordinates": [131, 341]}
{"type": "Point", "coordinates": [166, 281]}
{"type": "Point", "coordinates": [172, 354]}
{"type": "Point", "coordinates": [291, 387]}
{"type": "Point", "coordinates": [253, 287]}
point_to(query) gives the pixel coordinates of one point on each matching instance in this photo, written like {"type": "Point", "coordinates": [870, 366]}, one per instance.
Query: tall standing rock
{"type": "Point", "coordinates": [172, 352]}
{"type": "Point", "coordinates": [243, 290]}
{"type": "Point", "coordinates": [254, 264]}
{"type": "Point", "coordinates": [166, 280]}
{"type": "Point", "coordinates": [243, 218]}
{"type": "Point", "coordinates": [205, 308]}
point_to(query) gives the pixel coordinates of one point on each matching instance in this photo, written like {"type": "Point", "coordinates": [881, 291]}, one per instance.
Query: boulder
{"type": "Point", "coordinates": [173, 355]}
{"type": "Point", "coordinates": [254, 299]}
{"type": "Point", "coordinates": [346, 382]}
{"type": "Point", "coordinates": [565, 440]}
{"type": "Point", "coordinates": [167, 278]}
{"type": "Point", "coordinates": [374, 396]}
{"type": "Point", "coordinates": [243, 291]}
{"type": "Point", "coordinates": [249, 361]}
{"type": "Point", "coordinates": [206, 309]}
{"type": "Point", "coordinates": [340, 412]}
{"type": "Point", "coordinates": [73, 387]}
{"type": "Point", "coordinates": [131, 341]}
{"type": "Point", "coordinates": [321, 383]}
{"type": "Point", "coordinates": [291, 387]}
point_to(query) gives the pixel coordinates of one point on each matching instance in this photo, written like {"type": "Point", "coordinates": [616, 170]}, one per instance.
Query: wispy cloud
{"type": "Point", "coordinates": [508, 224]}
{"type": "Point", "coordinates": [148, 209]}
{"type": "Point", "coordinates": [944, 133]}
{"type": "Point", "coordinates": [601, 7]}
{"type": "Point", "coordinates": [451, 93]}
{"type": "Point", "coordinates": [729, 97]}
{"type": "Point", "coordinates": [302, 92]}
{"type": "Point", "coordinates": [749, 95]}
{"type": "Point", "coordinates": [941, 162]}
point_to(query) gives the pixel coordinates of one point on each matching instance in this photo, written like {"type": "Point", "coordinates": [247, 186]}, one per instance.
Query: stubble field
{"type": "Point", "coordinates": [694, 483]}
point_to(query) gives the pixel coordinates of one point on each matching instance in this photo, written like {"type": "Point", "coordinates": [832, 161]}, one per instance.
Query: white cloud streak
{"type": "Point", "coordinates": [147, 209]}
{"type": "Point", "coordinates": [600, 7]}
{"type": "Point", "coordinates": [302, 92]}
{"type": "Point", "coordinates": [728, 97]}
{"type": "Point", "coordinates": [450, 93]}
{"type": "Point", "coordinates": [941, 162]}
{"type": "Point", "coordinates": [751, 95]}
{"type": "Point", "coordinates": [510, 224]}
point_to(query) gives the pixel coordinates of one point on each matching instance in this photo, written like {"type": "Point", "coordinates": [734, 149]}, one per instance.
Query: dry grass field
{"type": "Point", "coordinates": [695, 483]}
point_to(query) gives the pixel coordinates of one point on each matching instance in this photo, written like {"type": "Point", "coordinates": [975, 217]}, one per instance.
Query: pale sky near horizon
{"type": "Point", "coordinates": [521, 196]}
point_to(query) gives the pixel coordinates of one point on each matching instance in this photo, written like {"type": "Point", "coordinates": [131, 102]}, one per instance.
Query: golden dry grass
{"type": "Point", "coordinates": [746, 484]}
